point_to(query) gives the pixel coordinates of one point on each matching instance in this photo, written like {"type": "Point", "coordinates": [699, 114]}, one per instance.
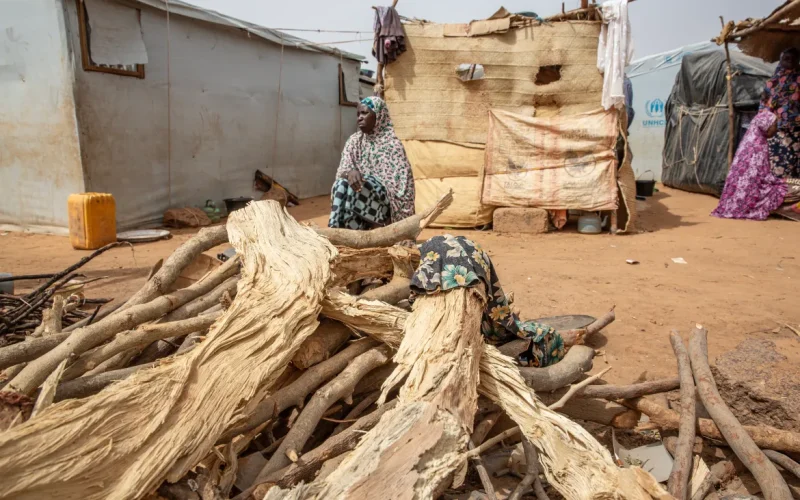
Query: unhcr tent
{"type": "Point", "coordinates": [695, 154]}
{"type": "Point", "coordinates": [652, 78]}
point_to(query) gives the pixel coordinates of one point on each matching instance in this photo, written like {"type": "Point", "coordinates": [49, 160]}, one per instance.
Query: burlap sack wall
{"type": "Point", "coordinates": [428, 102]}
{"type": "Point", "coordinates": [554, 162]}
{"type": "Point", "coordinates": [439, 166]}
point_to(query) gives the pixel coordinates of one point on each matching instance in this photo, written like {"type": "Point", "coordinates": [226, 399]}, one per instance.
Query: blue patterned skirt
{"type": "Point", "coordinates": [360, 210]}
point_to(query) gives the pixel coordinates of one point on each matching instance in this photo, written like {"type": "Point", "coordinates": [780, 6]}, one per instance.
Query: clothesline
{"type": "Point", "coordinates": [325, 31]}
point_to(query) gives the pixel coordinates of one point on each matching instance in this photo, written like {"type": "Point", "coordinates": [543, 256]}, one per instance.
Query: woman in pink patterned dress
{"type": "Point", "coordinates": [751, 190]}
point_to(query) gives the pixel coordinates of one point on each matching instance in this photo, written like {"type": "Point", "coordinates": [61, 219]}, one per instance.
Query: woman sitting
{"type": "Point", "coordinates": [374, 185]}
{"type": "Point", "coordinates": [782, 97]}
{"type": "Point", "coordinates": [751, 190]}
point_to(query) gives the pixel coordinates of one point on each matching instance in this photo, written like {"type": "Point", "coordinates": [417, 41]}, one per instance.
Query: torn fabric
{"type": "Point", "coordinates": [614, 51]}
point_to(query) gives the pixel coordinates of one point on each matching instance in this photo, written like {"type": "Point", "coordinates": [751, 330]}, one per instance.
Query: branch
{"type": "Point", "coordinates": [406, 229]}
{"type": "Point", "coordinates": [575, 389]}
{"type": "Point", "coordinates": [682, 466]}
{"type": "Point", "coordinates": [93, 335]}
{"type": "Point", "coordinates": [769, 479]}
{"type": "Point", "coordinates": [184, 255]}
{"type": "Point", "coordinates": [339, 388]}
{"type": "Point", "coordinates": [137, 338]}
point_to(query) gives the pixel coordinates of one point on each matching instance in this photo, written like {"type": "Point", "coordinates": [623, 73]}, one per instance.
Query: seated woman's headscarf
{"type": "Point", "coordinates": [751, 190]}
{"type": "Point", "coordinates": [782, 98]}
{"type": "Point", "coordinates": [381, 155]}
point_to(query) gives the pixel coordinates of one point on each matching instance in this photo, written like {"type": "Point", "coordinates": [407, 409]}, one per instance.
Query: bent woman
{"type": "Point", "coordinates": [374, 185]}
{"type": "Point", "coordinates": [449, 262]}
{"type": "Point", "coordinates": [751, 190]}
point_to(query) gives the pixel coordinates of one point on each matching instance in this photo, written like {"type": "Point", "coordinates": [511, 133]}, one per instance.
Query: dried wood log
{"type": "Point", "coordinates": [406, 229]}
{"type": "Point", "coordinates": [328, 338]}
{"type": "Point", "coordinates": [132, 339]}
{"type": "Point", "coordinates": [608, 391]}
{"type": "Point", "coordinates": [577, 361]}
{"type": "Point", "coordinates": [165, 347]}
{"type": "Point", "coordinates": [295, 393]}
{"type": "Point", "coordinates": [575, 459]}
{"type": "Point", "coordinates": [678, 483]}
{"type": "Point", "coordinates": [93, 335]}
{"type": "Point", "coordinates": [339, 388]}
{"type": "Point", "coordinates": [51, 319]}
{"type": "Point", "coordinates": [595, 410]}
{"type": "Point", "coordinates": [413, 449]}
{"type": "Point", "coordinates": [200, 304]}
{"type": "Point", "coordinates": [206, 239]}
{"type": "Point", "coordinates": [83, 387]}
{"type": "Point", "coordinates": [376, 319]}
{"type": "Point", "coordinates": [786, 462]}
{"type": "Point", "coordinates": [160, 422]}
{"type": "Point", "coordinates": [29, 349]}
{"type": "Point", "coordinates": [764, 436]}
{"type": "Point", "coordinates": [572, 460]}
{"type": "Point", "coordinates": [96, 316]}
{"type": "Point", "coordinates": [382, 262]}
{"type": "Point", "coordinates": [769, 479]}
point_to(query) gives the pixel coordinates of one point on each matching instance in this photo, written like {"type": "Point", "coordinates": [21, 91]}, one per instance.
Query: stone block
{"type": "Point", "coordinates": [521, 220]}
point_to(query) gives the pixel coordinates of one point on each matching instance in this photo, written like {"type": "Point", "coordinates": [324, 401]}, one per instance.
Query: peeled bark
{"type": "Point", "coordinates": [93, 335]}
{"type": "Point", "coordinates": [415, 447]}
{"type": "Point", "coordinates": [769, 479]}
{"type": "Point", "coordinates": [579, 467]}
{"type": "Point", "coordinates": [160, 422]}
{"type": "Point", "coordinates": [573, 461]}
{"type": "Point", "coordinates": [406, 229]}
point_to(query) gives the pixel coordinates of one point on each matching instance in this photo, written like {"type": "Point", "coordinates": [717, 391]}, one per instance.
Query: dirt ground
{"type": "Point", "coordinates": [740, 280]}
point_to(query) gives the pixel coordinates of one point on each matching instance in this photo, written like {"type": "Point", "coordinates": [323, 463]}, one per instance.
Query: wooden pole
{"type": "Point", "coordinates": [731, 115]}
{"type": "Point", "coordinates": [379, 76]}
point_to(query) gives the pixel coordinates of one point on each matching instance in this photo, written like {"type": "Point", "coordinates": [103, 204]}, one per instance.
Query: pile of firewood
{"type": "Point", "coordinates": [267, 379]}
{"type": "Point", "coordinates": [56, 304]}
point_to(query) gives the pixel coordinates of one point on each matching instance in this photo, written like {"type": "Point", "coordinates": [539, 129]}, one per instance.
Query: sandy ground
{"type": "Point", "coordinates": [740, 280]}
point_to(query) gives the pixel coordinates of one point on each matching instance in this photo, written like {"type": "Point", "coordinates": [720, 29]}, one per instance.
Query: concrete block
{"type": "Point", "coordinates": [521, 220]}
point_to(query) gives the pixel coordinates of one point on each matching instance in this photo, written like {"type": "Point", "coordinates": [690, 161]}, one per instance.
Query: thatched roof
{"type": "Point", "coordinates": [766, 38]}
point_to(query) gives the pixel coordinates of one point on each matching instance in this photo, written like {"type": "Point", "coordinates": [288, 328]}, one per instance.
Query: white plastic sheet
{"type": "Point", "coordinates": [352, 87]}
{"type": "Point", "coordinates": [115, 36]}
{"type": "Point", "coordinates": [614, 51]}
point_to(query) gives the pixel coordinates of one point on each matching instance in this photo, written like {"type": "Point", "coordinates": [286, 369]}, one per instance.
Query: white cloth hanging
{"type": "Point", "coordinates": [614, 51]}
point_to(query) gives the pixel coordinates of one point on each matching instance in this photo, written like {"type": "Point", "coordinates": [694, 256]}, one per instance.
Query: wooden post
{"type": "Point", "coordinates": [731, 115]}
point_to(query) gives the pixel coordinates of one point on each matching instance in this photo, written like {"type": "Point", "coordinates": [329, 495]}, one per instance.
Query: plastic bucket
{"type": "Point", "coordinates": [645, 188]}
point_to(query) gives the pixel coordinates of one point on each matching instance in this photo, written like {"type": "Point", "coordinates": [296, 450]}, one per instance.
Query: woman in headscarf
{"type": "Point", "coordinates": [751, 190]}
{"type": "Point", "coordinates": [374, 185]}
{"type": "Point", "coordinates": [449, 262]}
{"type": "Point", "coordinates": [782, 97]}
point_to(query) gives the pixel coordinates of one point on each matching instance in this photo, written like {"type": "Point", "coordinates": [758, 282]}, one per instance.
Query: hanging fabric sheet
{"type": "Point", "coordinates": [614, 51]}
{"type": "Point", "coordinates": [560, 162]}
{"type": "Point", "coordinates": [115, 34]}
